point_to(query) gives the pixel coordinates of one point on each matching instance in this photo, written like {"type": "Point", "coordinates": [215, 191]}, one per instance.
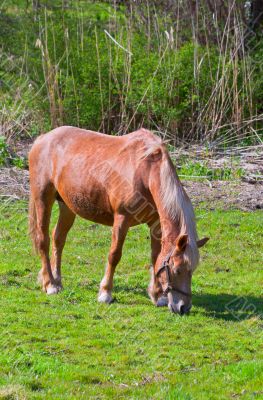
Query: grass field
{"type": "Point", "coordinates": [70, 347]}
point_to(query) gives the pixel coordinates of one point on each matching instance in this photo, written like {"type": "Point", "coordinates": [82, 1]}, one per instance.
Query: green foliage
{"type": "Point", "coordinates": [6, 159]}
{"type": "Point", "coordinates": [69, 346]}
{"type": "Point", "coordinates": [201, 169]}
{"type": "Point", "coordinates": [96, 84]}
{"type": "Point", "coordinates": [257, 81]}
{"type": "Point", "coordinates": [19, 162]}
{"type": "Point", "coordinates": [3, 151]}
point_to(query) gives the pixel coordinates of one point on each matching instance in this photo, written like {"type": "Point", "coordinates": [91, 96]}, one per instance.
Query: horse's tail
{"type": "Point", "coordinates": [32, 222]}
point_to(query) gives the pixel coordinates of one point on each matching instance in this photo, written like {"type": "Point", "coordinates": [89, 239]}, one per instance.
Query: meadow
{"type": "Point", "coordinates": [70, 347]}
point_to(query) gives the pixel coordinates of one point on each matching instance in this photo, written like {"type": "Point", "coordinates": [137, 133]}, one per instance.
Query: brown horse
{"type": "Point", "coordinates": [121, 182]}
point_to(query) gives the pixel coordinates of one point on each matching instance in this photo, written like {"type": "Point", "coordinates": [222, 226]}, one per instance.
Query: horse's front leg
{"type": "Point", "coordinates": [119, 231]}
{"type": "Point", "coordinates": [154, 289]}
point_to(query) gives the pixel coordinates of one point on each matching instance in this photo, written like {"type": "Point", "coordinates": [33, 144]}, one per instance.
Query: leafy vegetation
{"type": "Point", "coordinates": [190, 169]}
{"type": "Point", "coordinates": [114, 66]}
{"type": "Point", "coordinates": [69, 346]}
{"type": "Point", "coordinates": [7, 159]}
{"type": "Point", "coordinates": [3, 150]}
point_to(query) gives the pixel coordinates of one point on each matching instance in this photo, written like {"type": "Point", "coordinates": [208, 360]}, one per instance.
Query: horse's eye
{"type": "Point", "coordinates": [176, 271]}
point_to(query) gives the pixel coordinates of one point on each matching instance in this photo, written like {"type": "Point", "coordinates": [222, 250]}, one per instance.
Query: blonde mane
{"type": "Point", "coordinates": [179, 208]}
{"type": "Point", "coordinates": [176, 203]}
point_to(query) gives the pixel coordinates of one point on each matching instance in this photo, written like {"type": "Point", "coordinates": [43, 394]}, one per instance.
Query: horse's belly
{"type": "Point", "coordinates": [91, 204]}
{"type": "Point", "coordinates": [87, 209]}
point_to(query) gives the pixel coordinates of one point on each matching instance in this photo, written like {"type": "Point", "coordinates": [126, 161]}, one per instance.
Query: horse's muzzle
{"type": "Point", "coordinates": [180, 307]}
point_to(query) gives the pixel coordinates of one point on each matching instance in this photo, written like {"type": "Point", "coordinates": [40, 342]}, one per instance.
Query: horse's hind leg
{"type": "Point", "coordinates": [43, 206]}
{"type": "Point", "coordinates": [65, 222]}
{"type": "Point", "coordinates": [119, 231]}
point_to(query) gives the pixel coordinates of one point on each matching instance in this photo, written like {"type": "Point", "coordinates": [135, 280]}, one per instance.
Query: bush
{"type": "Point", "coordinates": [79, 76]}
{"type": "Point", "coordinates": [4, 154]}
{"type": "Point", "coordinates": [8, 159]}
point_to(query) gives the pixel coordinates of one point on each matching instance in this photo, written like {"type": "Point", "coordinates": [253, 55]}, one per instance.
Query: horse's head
{"type": "Point", "coordinates": [175, 275]}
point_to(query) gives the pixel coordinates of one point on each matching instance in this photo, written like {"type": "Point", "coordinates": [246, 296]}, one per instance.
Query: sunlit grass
{"type": "Point", "coordinates": [69, 346]}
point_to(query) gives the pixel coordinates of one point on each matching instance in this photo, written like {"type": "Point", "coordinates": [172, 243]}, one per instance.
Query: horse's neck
{"type": "Point", "coordinates": [170, 232]}
{"type": "Point", "coordinates": [173, 205]}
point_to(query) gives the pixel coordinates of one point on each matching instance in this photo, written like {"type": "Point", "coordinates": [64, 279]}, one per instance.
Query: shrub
{"type": "Point", "coordinates": [4, 154]}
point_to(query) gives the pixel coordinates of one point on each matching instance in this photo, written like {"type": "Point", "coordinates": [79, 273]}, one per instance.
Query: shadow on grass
{"type": "Point", "coordinates": [223, 306]}
{"type": "Point", "coordinates": [229, 307]}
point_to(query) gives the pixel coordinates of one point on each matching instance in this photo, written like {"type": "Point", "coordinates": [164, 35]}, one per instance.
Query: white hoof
{"type": "Point", "coordinates": [105, 297]}
{"type": "Point", "coordinates": [162, 301]}
{"type": "Point", "coordinates": [52, 289]}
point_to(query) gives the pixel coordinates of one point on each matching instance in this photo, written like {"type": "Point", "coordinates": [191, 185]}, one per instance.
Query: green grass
{"type": "Point", "coordinates": [70, 347]}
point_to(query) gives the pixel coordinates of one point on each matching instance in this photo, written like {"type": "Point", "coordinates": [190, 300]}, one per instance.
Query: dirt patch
{"type": "Point", "coordinates": [14, 185]}
{"type": "Point", "coordinates": [226, 194]}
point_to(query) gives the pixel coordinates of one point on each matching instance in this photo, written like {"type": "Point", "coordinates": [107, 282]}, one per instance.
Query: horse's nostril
{"type": "Point", "coordinates": [182, 309]}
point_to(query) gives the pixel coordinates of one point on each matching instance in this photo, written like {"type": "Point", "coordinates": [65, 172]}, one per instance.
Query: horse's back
{"type": "Point", "coordinates": [68, 133]}
{"type": "Point", "coordinates": [64, 136]}
{"type": "Point", "coordinates": [67, 140]}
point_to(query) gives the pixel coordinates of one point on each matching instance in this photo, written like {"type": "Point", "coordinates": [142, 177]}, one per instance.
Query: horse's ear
{"type": "Point", "coordinates": [180, 244]}
{"type": "Point", "coordinates": [202, 242]}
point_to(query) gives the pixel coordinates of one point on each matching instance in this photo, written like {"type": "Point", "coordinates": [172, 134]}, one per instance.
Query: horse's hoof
{"type": "Point", "coordinates": [162, 301]}
{"type": "Point", "coordinates": [105, 297]}
{"type": "Point", "coordinates": [51, 289]}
